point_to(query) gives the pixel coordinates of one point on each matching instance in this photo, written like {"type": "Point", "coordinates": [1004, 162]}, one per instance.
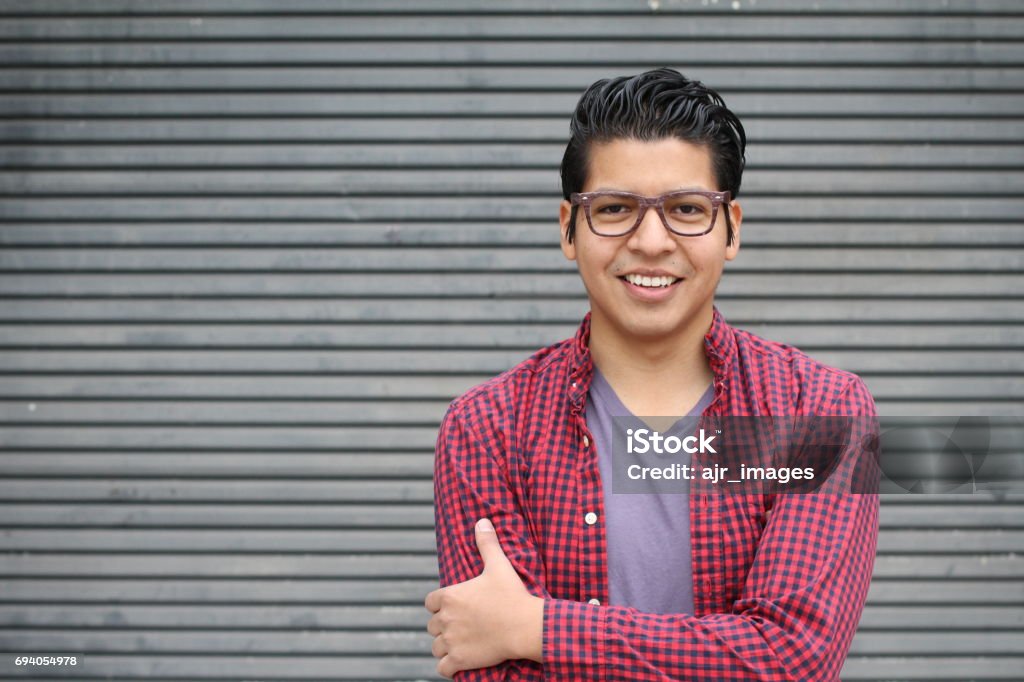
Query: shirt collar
{"type": "Point", "coordinates": [719, 347]}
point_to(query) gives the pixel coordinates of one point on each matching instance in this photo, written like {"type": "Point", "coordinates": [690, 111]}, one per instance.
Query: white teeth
{"type": "Point", "coordinates": [654, 282]}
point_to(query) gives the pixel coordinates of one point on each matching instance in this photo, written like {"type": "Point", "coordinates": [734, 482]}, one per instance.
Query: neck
{"type": "Point", "coordinates": [662, 376]}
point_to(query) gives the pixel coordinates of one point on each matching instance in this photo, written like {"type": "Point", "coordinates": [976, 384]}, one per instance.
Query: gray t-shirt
{"type": "Point", "coordinates": [648, 534]}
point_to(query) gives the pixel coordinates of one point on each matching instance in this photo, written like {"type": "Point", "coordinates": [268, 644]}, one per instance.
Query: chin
{"type": "Point", "coordinates": [651, 329]}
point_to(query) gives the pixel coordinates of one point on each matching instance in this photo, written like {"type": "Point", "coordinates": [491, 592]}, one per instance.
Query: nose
{"type": "Point", "coordinates": [651, 237]}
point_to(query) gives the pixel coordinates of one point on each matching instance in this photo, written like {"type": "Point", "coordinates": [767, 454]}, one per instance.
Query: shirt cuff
{"type": "Point", "coordinates": [573, 645]}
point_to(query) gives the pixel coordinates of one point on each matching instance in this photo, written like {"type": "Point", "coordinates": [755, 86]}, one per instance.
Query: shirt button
{"type": "Point", "coordinates": [586, 442]}
{"type": "Point", "coordinates": [590, 518]}
{"type": "Point", "coordinates": [594, 602]}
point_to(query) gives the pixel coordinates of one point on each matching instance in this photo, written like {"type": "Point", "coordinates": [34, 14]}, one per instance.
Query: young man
{"type": "Point", "coordinates": [548, 575]}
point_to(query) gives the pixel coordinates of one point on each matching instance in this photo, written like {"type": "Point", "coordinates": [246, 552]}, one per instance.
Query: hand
{"type": "Point", "coordinates": [486, 620]}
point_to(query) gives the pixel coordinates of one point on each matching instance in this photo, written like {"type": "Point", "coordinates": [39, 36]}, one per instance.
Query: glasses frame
{"type": "Point", "coordinates": [658, 203]}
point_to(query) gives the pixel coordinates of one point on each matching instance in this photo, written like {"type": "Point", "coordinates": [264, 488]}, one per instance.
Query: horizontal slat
{"type": "Point", "coordinates": [281, 515]}
{"type": "Point", "coordinates": [926, 618]}
{"type": "Point", "coordinates": [236, 565]}
{"type": "Point", "coordinates": [932, 668]}
{"type": "Point", "coordinates": [210, 491]}
{"type": "Point", "coordinates": [412, 639]}
{"type": "Point", "coordinates": [320, 593]}
{"type": "Point", "coordinates": [440, 387]}
{"type": "Point", "coordinates": [490, 155]}
{"type": "Point", "coordinates": [923, 514]}
{"type": "Point", "coordinates": [527, 337]}
{"type": "Point", "coordinates": [982, 398]}
{"type": "Point", "coordinates": [930, 406]}
{"type": "Point", "coordinates": [410, 362]}
{"type": "Point", "coordinates": [241, 491]}
{"type": "Point", "coordinates": [428, 155]}
{"type": "Point", "coordinates": [237, 591]}
{"type": "Point", "coordinates": [542, 285]}
{"type": "Point", "coordinates": [556, 104]}
{"type": "Point", "coordinates": [184, 667]}
{"type": "Point", "coordinates": [269, 361]}
{"type": "Point", "coordinates": [190, 666]}
{"type": "Point", "coordinates": [386, 541]}
{"type": "Point", "coordinates": [270, 388]}
{"type": "Point", "coordinates": [506, 185]}
{"type": "Point", "coordinates": [949, 567]}
{"type": "Point", "coordinates": [362, 438]}
{"type": "Point", "coordinates": [402, 565]}
{"type": "Point", "coordinates": [529, 260]}
{"type": "Point", "coordinates": [380, 414]}
{"type": "Point", "coordinates": [284, 618]}
{"type": "Point", "coordinates": [756, 232]}
{"type": "Point", "coordinates": [973, 541]}
{"type": "Point", "coordinates": [283, 297]}
{"type": "Point", "coordinates": [952, 500]}
{"type": "Point", "coordinates": [191, 413]}
{"type": "Point", "coordinates": [727, 79]}
{"type": "Point", "coordinates": [428, 361]}
{"type": "Point", "coordinates": [887, 209]}
{"type": "Point", "coordinates": [737, 26]}
{"type": "Point", "coordinates": [920, 515]}
{"type": "Point", "coordinates": [958, 620]}
{"type": "Point", "coordinates": [333, 541]}
{"type": "Point", "coordinates": [156, 643]}
{"type": "Point", "coordinates": [526, 50]}
{"type": "Point", "coordinates": [842, 126]}
{"type": "Point", "coordinates": [248, 465]}
{"type": "Point", "coordinates": [392, 7]}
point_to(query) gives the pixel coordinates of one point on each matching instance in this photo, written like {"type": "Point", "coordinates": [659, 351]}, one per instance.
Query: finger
{"type": "Point", "coordinates": [433, 601]}
{"type": "Point", "coordinates": [434, 626]}
{"type": "Point", "coordinates": [439, 648]}
{"type": "Point", "coordinates": [488, 546]}
{"type": "Point", "coordinates": [445, 668]}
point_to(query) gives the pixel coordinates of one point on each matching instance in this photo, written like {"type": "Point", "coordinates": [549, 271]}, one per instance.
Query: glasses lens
{"type": "Point", "coordinates": [612, 214]}
{"type": "Point", "coordinates": [689, 213]}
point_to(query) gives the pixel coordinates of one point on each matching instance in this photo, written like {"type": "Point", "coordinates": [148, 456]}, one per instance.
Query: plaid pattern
{"type": "Point", "coordinates": [779, 581]}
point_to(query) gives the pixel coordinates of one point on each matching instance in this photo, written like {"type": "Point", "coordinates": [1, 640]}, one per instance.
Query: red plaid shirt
{"type": "Point", "coordinates": [779, 581]}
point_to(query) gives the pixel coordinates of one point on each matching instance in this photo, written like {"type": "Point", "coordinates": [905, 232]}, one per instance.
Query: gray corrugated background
{"type": "Point", "coordinates": [251, 249]}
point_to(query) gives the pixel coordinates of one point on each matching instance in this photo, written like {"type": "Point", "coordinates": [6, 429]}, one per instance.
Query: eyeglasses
{"type": "Point", "coordinates": [688, 213]}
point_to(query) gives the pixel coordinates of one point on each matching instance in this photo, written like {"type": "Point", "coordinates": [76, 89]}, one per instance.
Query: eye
{"type": "Point", "coordinates": [613, 209]}
{"type": "Point", "coordinates": [688, 209]}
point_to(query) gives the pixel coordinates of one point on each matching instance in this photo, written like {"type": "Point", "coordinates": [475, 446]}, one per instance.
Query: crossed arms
{"type": "Point", "coordinates": [793, 619]}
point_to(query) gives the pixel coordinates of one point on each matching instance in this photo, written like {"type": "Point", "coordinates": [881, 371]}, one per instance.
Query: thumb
{"type": "Point", "coordinates": [488, 545]}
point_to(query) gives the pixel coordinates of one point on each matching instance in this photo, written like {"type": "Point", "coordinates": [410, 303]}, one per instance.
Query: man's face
{"type": "Point", "coordinates": [634, 312]}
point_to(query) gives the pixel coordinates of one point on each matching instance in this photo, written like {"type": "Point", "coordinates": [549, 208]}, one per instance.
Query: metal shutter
{"type": "Point", "coordinates": [251, 249]}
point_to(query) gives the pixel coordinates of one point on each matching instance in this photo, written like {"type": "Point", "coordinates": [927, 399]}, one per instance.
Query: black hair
{"type": "Point", "coordinates": [650, 106]}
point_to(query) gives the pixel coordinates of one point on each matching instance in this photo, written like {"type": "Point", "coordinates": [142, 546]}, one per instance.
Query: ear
{"type": "Point", "coordinates": [736, 215]}
{"type": "Point", "coordinates": [564, 213]}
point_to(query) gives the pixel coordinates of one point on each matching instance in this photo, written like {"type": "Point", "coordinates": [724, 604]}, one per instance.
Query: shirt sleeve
{"type": "Point", "coordinates": [794, 620]}
{"type": "Point", "coordinates": [470, 483]}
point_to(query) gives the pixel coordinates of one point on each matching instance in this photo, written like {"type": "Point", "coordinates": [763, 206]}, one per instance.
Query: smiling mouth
{"type": "Point", "coordinates": [659, 282]}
